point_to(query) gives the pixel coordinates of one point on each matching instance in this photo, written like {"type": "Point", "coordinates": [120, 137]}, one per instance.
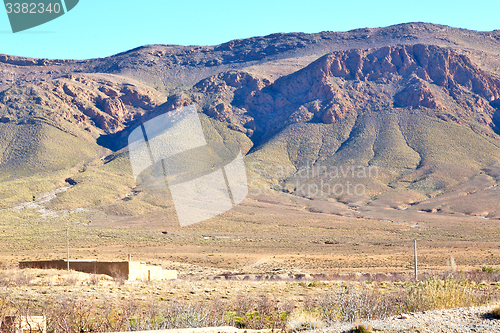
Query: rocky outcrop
{"type": "Point", "coordinates": [225, 97]}
{"type": "Point", "coordinates": [339, 85]}
{"type": "Point", "coordinates": [88, 102]}
{"type": "Point", "coordinates": [417, 94]}
{"type": "Point", "coordinates": [238, 80]}
{"type": "Point", "coordinates": [346, 83]}
{"type": "Point", "coordinates": [221, 111]}
{"type": "Point", "coordinates": [440, 66]}
{"type": "Point", "coordinates": [143, 98]}
{"type": "Point", "coordinates": [114, 107]}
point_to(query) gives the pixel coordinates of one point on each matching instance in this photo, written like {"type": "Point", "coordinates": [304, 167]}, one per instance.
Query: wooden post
{"type": "Point", "coordinates": [415, 255]}
{"type": "Point", "coordinates": [67, 247]}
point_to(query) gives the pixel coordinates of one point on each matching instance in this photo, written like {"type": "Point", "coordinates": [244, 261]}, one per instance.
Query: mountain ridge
{"type": "Point", "coordinates": [153, 61]}
{"type": "Point", "coordinates": [426, 115]}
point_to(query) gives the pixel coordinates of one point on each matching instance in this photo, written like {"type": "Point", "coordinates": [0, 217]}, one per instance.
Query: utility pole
{"type": "Point", "coordinates": [415, 255]}
{"type": "Point", "coordinates": [67, 247]}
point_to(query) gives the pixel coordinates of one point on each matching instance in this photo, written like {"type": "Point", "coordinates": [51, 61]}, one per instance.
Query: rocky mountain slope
{"type": "Point", "coordinates": [417, 102]}
{"type": "Point", "coordinates": [170, 66]}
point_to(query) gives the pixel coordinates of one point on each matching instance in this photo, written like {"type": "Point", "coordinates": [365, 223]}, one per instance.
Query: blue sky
{"type": "Point", "coordinates": [99, 28]}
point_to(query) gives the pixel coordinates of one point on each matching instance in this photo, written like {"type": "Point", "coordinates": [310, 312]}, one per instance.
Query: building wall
{"type": "Point", "coordinates": [169, 274]}
{"type": "Point", "coordinates": [129, 270]}
{"type": "Point", "coordinates": [114, 269]}
{"type": "Point", "coordinates": [141, 271]}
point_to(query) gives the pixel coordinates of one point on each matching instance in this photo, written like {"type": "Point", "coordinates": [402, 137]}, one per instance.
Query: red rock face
{"type": "Point", "coordinates": [335, 113]}
{"type": "Point", "coordinates": [338, 85]}
{"type": "Point", "coordinates": [114, 107]}
{"type": "Point", "coordinates": [433, 64]}
{"type": "Point", "coordinates": [347, 83]}
{"type": "Point", "coordinates": [86, 101]}
{"type": "Point", "coordinates": [418, 93]}
{"type": "Point", "coordinates": [229, 96]}
{"type": "Point", "coordinates": [411, 76]}
{"type": "Point", "coordinates": [134, 96]}
{"type": "Point", "coordinates": [221, 112]}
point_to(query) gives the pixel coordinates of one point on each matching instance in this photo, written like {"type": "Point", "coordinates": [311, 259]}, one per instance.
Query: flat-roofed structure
{"type": "Point", "coordinates": [128, 270]}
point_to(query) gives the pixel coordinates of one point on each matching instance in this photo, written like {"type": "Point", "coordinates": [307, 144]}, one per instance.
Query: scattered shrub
{"type": "Point", "coordinates": [363, 328]}
{"type": "Point", "coordinates": [310, 302]}
{"type": "Point", "coordinates": [350, 303]}
{"type": "Point", "coordinates": [434, 293]}
{"type": "Point", "coordinates": [22, 278]}
{"type": "Point", "coordinates": [305, 320]}
{"type": "Point", "coordinates": [488, 269]}
{"type": "Point", "coordinates": [71, 280]}
{"type": "Point", "coordinates": [496, 312]}
{"type": "Point", "coordinates": [94, 280]}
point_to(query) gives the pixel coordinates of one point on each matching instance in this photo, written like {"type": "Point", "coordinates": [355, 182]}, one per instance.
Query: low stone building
{"type": "Point", "coordinates": [140, 271]}
{"type": "Point", "coordinates": [128, 270]}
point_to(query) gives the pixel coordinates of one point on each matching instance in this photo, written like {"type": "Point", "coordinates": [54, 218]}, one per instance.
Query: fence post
{"type": "Point", "coordinates": [67, 247]}
{"type": "Point", "coordinates": [415, 255]}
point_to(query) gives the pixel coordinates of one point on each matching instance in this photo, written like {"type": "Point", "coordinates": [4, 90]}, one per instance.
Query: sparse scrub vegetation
{"type": "Point", "coordinates": [260, 312]}
{"type": "Point", "coordinates": [495, 313]}
{"type": "Point", "coordinates": [363, 328]}
{"type": "Point", "coordinates": [70, 280]}
{"type": "Point", "coordinates": [70, 314]}
{"type": "Point", "coordinates": [119, 279]}
{"type": "Point", "coordinates": [347, 302]}
{"type": "Point", "coordinates": [487, 269]}
{"type": "Point", "coordinates": [94, 280]}
{"type": "Point", "coordinates": [435, 293]}
{"type": "Point", "coordinates": [305, 320]}
{"type": "Point", "coordinates": [285, 253]}
{"type": "Point", "coordinates": [17, 278]}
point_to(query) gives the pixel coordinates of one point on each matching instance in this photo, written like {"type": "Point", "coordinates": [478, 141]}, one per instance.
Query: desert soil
{"type": "Point", "coordinates": [462, 320]}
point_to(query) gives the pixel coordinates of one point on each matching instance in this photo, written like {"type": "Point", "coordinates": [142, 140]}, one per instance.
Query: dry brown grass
{"type": "Point", "coordinates": [105, 306]}
{"type": "Point", "coordinates": [305, 320]}
{"type": "Point", "coordinates": [362, 328]}
{"type": "Point", "coordinates": [496, 312]}
{"type": "Point", "coordinates": [450, 292]}
{"type": "Point", "coordinates": [352, 302]}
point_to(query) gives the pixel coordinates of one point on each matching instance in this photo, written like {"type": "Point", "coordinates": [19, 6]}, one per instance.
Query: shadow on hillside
{"type": "Point", "coordinates": [115, 141]}
{"type": "Point", "coordinates": [496, 116]}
